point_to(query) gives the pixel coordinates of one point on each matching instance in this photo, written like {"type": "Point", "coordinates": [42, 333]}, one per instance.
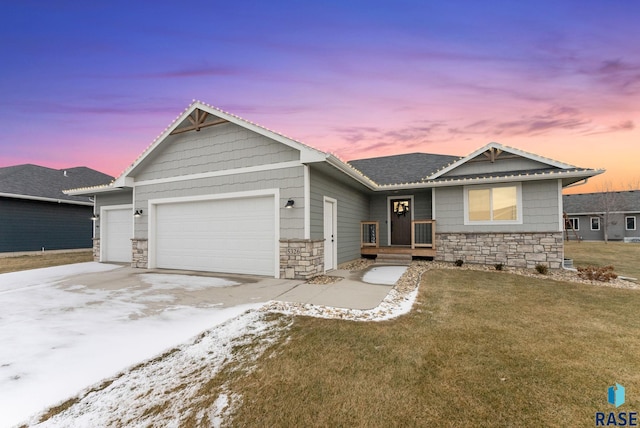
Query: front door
{"type": "Point", "coordinates": [400, 215]}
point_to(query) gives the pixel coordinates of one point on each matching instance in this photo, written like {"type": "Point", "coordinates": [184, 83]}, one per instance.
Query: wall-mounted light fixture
{"type": "Point", "coordinates": [95, 217]}
{"type": "Point", "coordinates": [138, 213]}
{"type": "Point", "coordinates": [290, 203]}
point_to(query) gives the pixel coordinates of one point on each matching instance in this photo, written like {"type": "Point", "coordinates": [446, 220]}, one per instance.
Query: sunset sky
{"type": "Point", "coordinates": [94, 83]}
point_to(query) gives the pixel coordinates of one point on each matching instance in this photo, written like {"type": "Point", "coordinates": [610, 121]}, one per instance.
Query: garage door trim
{"type": "Point", "coordinates": [104, 228]}
{"type": "Point", "coordinates": [154, 203]}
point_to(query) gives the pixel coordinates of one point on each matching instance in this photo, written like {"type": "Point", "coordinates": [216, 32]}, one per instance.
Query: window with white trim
{"type": "Point", "coordinates": [573, 223]}
{"type": "Point", "coordinates": [493, 204]}
{"type": "Point", "coordinates": [595, 223]}
{"type": "Point", "coordinates": [630, 222]}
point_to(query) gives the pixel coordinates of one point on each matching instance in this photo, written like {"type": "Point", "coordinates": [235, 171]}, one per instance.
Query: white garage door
{"type": "Point", "coordinates": [117, 229]}
{"type": "Point", "coordinates": [229, 235]}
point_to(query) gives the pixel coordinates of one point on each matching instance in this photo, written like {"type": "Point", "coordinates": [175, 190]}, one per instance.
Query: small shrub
{"type": "Point", "coordinates": [459, 262]}
{"type": "Point", "coordinates": [499, 266]}
{"type": "Point", "coordinates": [595, 273]}
{"type": "Point", "coordinates": [542, 269]}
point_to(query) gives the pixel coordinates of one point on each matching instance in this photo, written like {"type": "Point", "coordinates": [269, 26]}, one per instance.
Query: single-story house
{"type": "Point", "coordinates": [215, 192]}
{"type": "Point", "coordinates": [588, 216]}
{"type": "Point", "coordinates": [36, 215]}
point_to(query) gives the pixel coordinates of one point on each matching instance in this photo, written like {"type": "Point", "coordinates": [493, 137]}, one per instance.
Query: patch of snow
{"type": "Point", "coordinates": [171, 383]}
{"type": "Point", "coordinates": [185, 282]}
{"type": "Point", "coordinates": [384, 275]}
{"type": "Point", "coordinates": [58, 339]}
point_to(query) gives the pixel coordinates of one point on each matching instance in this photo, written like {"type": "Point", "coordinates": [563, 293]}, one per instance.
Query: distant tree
{"type": "Point", "coordinates": [608, 202]}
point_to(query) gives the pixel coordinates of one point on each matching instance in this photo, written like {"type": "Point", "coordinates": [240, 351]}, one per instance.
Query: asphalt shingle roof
{"type": "Point", "coordinates": [398, 169]}
{"type": "Point", "coordinates": [628, 201]}
{"type": "Point", "coordinates": [39, 181]}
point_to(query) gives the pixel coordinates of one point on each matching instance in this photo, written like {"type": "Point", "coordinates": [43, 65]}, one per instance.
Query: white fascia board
{"type": "Point", "coordinates": [88, 191]}
{"type": "Point", "coordinates": [507, 149]}
{"type": "Point", "coordinates": [43, 199]}
{"type": "Point", "coordinates": [487, 180]}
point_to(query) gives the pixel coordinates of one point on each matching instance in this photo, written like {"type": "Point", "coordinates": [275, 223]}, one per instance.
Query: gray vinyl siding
{"type": "Point", "coordinates": [500, 165]}
{"type": "Point", "coordinates": [352, 206]}
{"type": "Point", "coordinates": [115, 198]}
{"type": "Point", "coordinates": [422, 209]}
{"type": "Point", "coordinates": [221, 147]}
{"type": "Point", "coordinates": [27, 225]}
{"type": "Point", "coordinates": [290, 182]}
{"type": "Point", "coordinates": [540, 210]}
{"type": "Point", "coordinates": [616, 228]}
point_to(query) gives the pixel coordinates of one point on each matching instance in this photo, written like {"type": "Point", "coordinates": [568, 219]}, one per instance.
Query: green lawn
{"type": "Point", "coordinates": [625, 258]}
{"type": "Point", "coordinates": [479, 349]}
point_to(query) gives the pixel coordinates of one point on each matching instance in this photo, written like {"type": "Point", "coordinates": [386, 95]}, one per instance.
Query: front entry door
{"type": "Point", "coordinates": [400, 215]}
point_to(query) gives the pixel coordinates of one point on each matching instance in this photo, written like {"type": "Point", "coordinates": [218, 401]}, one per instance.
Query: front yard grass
{"type": "Point", "coordinates": [625, 258]}
{"type": "Point", "coordinates": [42, 260]}
{"type": "Point", "coordinates": [478, 349]}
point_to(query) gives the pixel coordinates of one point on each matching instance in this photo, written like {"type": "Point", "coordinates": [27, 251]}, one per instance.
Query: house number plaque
{"type": "Point", "coordinates": [293, 251]}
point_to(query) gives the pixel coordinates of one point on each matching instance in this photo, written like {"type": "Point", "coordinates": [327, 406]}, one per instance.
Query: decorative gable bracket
{"type": "Point", "coordinates": [493, 153]}
{"type": "Point", "coordinates": [198, 121]}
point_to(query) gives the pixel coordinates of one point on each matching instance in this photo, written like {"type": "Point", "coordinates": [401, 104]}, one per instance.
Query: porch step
{"type": "Point", "coordinates": [394, 259]}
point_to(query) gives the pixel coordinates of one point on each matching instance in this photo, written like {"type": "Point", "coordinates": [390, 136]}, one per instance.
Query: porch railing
{"type": "Point", "coordinates": [423, 234]}
{"type": "Point", "coordinates": [369, 233]}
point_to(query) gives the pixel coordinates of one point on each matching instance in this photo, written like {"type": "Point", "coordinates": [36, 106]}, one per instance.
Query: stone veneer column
{"type": "Point", "coordinates": [139, 253]}
{"type": "Point", "coordinates": [96, 249]}
{"type": "Point", "coordinates": [524, 250]}
{"type": "Point", "coordinates": [301, 258]}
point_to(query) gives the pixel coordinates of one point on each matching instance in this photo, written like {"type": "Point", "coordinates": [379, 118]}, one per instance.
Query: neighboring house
{"type": "Point", "coordinates": [215, 192]}
{"type": "Point", "coordinates": [590, 215]}
{"type": "Point", "coordinates": [35, 214]}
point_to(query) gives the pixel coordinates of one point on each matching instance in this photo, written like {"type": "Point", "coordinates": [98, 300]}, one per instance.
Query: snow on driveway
{"type": "Point", "coordinates": [57, 339]}
{"type": "Point", "coordinates": [384, 275]}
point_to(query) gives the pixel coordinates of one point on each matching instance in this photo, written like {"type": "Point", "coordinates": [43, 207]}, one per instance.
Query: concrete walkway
{"type": "Point", "coordinates": [350, 292]}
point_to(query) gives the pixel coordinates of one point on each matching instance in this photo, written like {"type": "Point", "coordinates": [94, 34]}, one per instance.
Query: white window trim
{"type": "Point", "coordinates": [591, 223]}
{"type": "Point", "coordinates": [576, 222]}
{"type": "Point", "coordinates": [635, 222]}
{"type": "Point", "coordinates": [518, 220]}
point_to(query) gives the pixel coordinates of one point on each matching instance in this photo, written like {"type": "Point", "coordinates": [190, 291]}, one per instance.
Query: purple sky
{"type": "Point", "coordinates": [87, 83]}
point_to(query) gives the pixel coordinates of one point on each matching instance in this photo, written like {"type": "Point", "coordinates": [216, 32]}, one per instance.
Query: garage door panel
{"type": "Point", "coordinates": [232, 235]}
{"type": "Point", "coordinates": [117, 225]}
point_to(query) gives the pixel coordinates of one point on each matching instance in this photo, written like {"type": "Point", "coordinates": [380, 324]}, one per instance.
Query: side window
{"type": "Point", "coordinates": [595, 223]}
{"type": "Point", "coordinates": [631, 222]}
{"type": "Point", "coordinates": [573, 223]}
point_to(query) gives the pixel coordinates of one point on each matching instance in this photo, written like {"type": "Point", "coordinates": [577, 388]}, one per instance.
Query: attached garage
{"type": "Point", "coordinates": [235, 235]}
{"type": "Point", "coordinates": [115, 234]}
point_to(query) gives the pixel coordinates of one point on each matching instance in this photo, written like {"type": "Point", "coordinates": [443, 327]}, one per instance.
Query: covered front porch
{"type": "Point", "coordinates": [421, 243]}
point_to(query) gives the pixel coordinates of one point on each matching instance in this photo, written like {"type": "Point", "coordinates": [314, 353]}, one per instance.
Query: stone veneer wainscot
{"type": "Point", "coordinates": [139, 253]}
{"type": "Point", "coordinates": [524, 250]}
{"type": "Point", "coordinates": [301, 258]}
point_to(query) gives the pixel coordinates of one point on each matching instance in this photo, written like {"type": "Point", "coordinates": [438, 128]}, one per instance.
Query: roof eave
{"type": "Point", "coordinates": [43, 199]}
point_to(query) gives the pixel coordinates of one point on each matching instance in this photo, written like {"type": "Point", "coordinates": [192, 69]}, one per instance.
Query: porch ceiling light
{"type": "Point", "coordinates": [138, 213]}
{"type": "Point", "coordinates": [290, 203]}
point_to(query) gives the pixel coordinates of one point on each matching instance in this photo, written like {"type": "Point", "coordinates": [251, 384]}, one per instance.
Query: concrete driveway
{"type": "Point", "coordinates": [67, 327]}
{"type": "Point", "coordinates": [163, 288]}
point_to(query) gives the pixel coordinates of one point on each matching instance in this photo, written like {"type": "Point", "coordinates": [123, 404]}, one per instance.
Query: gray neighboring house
{"type": "Point", "coordinates": [588, 214]}
{"type": "Point", "coordinates": [36, 214]}
{"type": "Point", "coordinates": [215, 192]}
